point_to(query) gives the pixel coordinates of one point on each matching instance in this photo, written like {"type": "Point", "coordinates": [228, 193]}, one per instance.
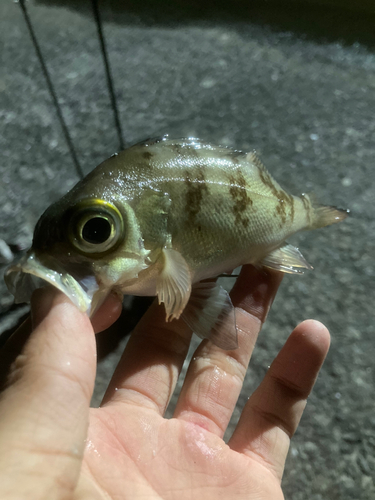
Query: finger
{"type": "Point", "coordinates": [149, 368]}
{"type": "Point", "coordinates": [44, 409]}
{"type": "Point", "coordinates": [272, 414]}
{"type": "Point", "coordinates": [215, 377]}
{"type": "Point", "coordinates": [107, 313]}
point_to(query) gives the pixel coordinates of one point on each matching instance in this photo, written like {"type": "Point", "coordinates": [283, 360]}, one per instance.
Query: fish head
{"type": "Point", "coordinates": [85, 246]}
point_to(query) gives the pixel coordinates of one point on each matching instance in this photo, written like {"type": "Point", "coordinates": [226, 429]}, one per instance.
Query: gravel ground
{"type": "Point", "coordinates": [295, 83]}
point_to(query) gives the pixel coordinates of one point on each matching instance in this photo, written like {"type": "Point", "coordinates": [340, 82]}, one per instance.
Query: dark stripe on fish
{"type": "Point", "coordinates": [196, 190]}
{"type": "Point", "coordinates": [240, 197]}
{"type": "Point", "coordinates": [307, 205]}
{"type": "Point", "coordinates": [284, 198]}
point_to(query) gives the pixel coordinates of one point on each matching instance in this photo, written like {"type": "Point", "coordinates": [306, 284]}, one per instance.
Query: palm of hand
{"type": "Point", "coordinates": [151, 457]}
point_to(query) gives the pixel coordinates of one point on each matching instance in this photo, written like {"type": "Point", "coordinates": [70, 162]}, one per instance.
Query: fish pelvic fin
{"type": "Point", "coordinates": [322, 215]}
{"type": "Point", "coordinates": [173, 286]}
{"type": "Point", "coordinates": [211, 315]}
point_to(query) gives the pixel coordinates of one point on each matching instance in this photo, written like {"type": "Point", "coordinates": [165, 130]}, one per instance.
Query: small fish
{"type": "Point", "coordinates": [158, 219]}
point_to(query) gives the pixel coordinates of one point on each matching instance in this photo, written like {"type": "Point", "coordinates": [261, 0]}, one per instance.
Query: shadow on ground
{"type": "Point", "coordinates": [321, 23]}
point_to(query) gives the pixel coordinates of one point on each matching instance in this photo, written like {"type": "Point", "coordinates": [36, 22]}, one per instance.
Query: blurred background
{"type": "Point", "coordinates": [293, 80]}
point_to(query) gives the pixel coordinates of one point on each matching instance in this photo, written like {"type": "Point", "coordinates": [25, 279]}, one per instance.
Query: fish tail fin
{"type": "Point", "coordinates": [324, 215]}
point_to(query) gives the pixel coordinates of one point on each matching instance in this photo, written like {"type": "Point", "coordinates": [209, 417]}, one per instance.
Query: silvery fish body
{"type": "Point", "coordinates": [160, 217]}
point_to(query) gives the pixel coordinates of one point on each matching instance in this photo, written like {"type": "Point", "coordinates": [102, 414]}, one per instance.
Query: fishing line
{"type": "Point", "coordinates": [51, 89]}
{"type": "Point", "coordinates": [108, 73]}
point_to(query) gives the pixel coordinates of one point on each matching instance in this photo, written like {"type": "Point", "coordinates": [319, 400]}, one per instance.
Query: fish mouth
{"type": "Point", "coordinates": [33, 271]}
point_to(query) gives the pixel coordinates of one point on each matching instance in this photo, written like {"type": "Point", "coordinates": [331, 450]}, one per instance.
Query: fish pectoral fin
{"type": "Point", "coordinates": [211, 315]}
{"type": "Point", "coordinates": [173, 285]}
{"type": "Point", "coordinates": [287, 259]}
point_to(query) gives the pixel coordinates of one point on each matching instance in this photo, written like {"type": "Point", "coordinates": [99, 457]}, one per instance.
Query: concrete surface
{"type": "Point", "coordinates": [295, 83]}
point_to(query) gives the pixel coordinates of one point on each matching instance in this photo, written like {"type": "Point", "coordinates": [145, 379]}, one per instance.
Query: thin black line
{"type": "Point", "coordinates": [108, 73]}
{"type": "Point", "coordinates": [51, 90]}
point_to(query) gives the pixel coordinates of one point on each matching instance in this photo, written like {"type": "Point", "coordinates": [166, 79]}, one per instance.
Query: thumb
{"type": "Point", "coordinates": [45, 406]}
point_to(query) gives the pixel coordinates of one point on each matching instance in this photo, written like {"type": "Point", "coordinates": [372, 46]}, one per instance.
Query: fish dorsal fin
{"type": "Point", "coordinates": [252, 157]}
{"type": "Point", "coordinates": [269, 186]}
{"type": "Point", "coordinates": [287, 259]}
{"type": "Point", "coordinates": [173, 285]}
{"type": "Point", "coordinates": [211, 315]}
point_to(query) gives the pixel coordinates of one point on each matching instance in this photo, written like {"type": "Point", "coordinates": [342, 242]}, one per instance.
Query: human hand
{"type": "Point", "coordinates": [52, 446]}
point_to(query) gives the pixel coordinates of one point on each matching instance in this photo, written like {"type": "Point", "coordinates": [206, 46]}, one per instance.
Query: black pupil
{"type": "Point", "coordinates": [96, 230]}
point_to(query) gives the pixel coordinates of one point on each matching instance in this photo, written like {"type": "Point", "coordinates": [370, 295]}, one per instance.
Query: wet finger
{"type": "Point", "coordinates": [44, 407]}
{"type": "Point", "coordinates": [272, 414]}
{"type": "Point", "coordinates": [149, 368]}
{"type": "Point", "coordinates": [215, 377]}
{"type": "Point", "coordinates": [107, 313]}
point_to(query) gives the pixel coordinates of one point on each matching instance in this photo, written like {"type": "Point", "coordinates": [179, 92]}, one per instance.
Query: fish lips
{"type": "Point", "coordinates": [33, 271]}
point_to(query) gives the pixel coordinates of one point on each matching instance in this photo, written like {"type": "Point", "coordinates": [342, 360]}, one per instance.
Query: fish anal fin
{"type": "Point", "coordinates": [287, 259]}
{"type": "Point", "coordinates": [211, 315]}
{"type": "Point", "coordinates": [173, 285]}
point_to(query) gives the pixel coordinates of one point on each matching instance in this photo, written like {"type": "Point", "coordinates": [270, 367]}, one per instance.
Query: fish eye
{"type": "Point", "coordinates": [96, 226]}
{"type": "Point", "coordinates": [96, 230]}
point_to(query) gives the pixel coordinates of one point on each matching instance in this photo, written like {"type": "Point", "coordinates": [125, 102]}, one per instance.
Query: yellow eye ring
{"type": "Point", "coordinates": [96, 226]}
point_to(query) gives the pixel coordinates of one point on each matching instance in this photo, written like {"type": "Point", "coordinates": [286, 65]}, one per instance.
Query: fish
{"type": "Point", "coordinates": [162, 218]}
